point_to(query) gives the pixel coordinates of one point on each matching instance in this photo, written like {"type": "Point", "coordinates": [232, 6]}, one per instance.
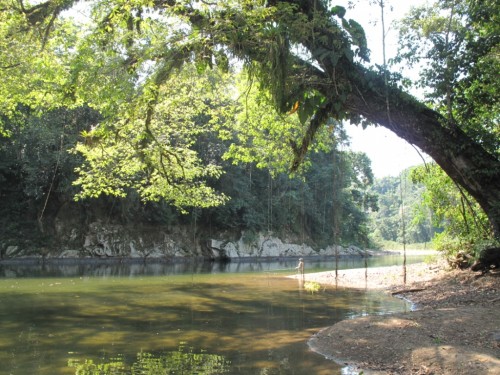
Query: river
{"type": "Point", "coordinates": [157, 318]}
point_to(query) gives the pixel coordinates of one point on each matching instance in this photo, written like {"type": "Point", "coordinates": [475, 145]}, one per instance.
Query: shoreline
{"type": "Point", "coordinates": [374, 277]}
{"type": "Point", "coordinates": [454, 329]}
{"type": "Point", "coordinates": [32, 260]}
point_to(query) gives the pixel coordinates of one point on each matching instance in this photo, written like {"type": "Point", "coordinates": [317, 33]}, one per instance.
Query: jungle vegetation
{"type": "Point", "coordinates": [328, 203]}
{"type": "Point", "coordinates": [272, 80]}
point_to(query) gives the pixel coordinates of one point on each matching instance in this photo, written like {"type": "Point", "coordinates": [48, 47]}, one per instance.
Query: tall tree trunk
{"type": "Point", "coordinates": [464, 160]}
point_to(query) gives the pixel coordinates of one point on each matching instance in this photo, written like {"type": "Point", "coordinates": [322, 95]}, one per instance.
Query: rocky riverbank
{"type": "Point", "coordinates": [106, 241]}
{"type": "Point", "coordinates": [454, 330]}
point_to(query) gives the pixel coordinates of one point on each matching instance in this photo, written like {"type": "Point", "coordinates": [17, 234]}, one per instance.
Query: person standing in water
{"type": "Point", "coordinates": [300, 266]}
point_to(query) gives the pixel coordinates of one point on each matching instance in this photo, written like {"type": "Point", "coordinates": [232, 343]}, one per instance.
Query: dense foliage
{"type": "Point", "coordinates": [37, 171]}
{"type": "Point", "coordinates": [161, 75]}
{"type": "Point", "coordinates": [463, 224]}
{"type": "Point", "coordinates": [327, 204]}
{"type": "Point", "coordinates": [401, 217]}
{"type": "Point", "coordinates": [457, 45]}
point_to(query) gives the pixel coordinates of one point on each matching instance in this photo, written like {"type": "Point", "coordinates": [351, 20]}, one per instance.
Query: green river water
{"type": "Point", "coordinates": [171, 319]}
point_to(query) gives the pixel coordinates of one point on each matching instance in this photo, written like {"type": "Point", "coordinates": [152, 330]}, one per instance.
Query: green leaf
{"type": "Point", "coordinates": [338, 11]}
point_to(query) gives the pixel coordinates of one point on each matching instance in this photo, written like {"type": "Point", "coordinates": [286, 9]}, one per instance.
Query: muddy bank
{"type": "Point", "coordinates": [454, 330]}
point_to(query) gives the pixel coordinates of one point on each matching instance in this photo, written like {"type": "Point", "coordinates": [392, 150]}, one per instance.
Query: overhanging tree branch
{"type": "Point", "coordinates": [350, 90]}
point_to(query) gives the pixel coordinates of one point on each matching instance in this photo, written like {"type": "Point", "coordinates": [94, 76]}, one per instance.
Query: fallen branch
{"type": "Point", "coordinates": [407, 291]}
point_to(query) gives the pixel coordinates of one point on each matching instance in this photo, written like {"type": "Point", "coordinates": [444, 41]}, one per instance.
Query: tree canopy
{"type": "Point", "coordinates": [311, 58]}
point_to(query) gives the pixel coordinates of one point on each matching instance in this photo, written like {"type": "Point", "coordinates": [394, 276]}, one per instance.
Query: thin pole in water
{"type": "Point", "coordinates": [403, 224]}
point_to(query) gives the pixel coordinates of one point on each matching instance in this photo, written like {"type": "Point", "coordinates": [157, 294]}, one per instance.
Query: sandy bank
{"type": "Point", "coordinates": [376, 277]}
{"type": "Point", "coordinates": [455, 331]}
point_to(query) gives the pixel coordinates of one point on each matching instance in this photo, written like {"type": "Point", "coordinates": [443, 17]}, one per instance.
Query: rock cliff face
{"type": "Point", "coordinates": [98, 239]}
{"type": "Point", "coordinates": [96, 231]}
{"type": "Point", "coordinates": [102, 240]}
{"type": "Point", "coordinates": [267, 246]}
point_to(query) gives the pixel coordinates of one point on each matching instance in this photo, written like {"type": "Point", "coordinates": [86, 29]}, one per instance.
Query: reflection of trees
{"type": "Point", "coordinates": [181, 361]}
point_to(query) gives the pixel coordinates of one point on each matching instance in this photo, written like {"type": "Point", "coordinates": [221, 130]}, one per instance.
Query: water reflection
{"type": "Point", "coordinates": [182, 361]}
{"type": "Point", "coordinates": [258, 321]}
{"type": "Point", "coordinates": [131, 268]}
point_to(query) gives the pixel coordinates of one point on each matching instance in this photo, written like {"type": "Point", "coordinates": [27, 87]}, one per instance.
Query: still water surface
{"type": "Point", "coordinates": [247, 318]}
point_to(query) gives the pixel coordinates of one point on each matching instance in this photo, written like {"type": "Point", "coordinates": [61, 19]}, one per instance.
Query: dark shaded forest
{"type": "Point", "coordinates": [330, 203]}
